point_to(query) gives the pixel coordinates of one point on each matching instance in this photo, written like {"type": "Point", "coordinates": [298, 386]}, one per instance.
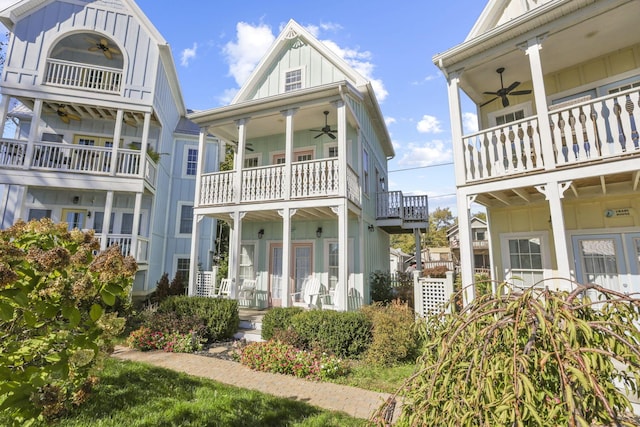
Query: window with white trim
{"type": "Point", "coordinates": [183, 266]}
{"type": "Point", "coordinates": [247, 252]}
{"type": "Point", "coordinates": [333, 264]}
{"type": "Point", "coordinates": [509, 114]}
{"type": "Point", "coordinates": [191, 161]}
{"type": "Point", "coordinates": [293, 80]}
{"type": "Point", "coordinates": [624, 87]}
{"type": "Point", "coordinates": [509, 117]}
{"type": "Point", "coordinates": [331, 150]}
{"type": "Point", "coordinates": [38, 214]}
{"type": "Point", "coordinates": [98, 221]}
{"type": "Point", "coordinates": [252, 161]}
{"type": "Point", "coordinates": [186, 219]}
{"type": "Point", "coordinates": [365, 171]}
{"type": "Point", "coordinates": [525, 260]}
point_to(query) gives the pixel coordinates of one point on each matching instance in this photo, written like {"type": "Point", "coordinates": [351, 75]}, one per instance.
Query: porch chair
{"type": "Point", "coordinates": [308, 295]}
{"type": "Point", "coordinates": [332, 299]}
{"type": "Point", "coordinates": [246, 293]}
{"type": "Point", "coordinates": [224, 290]}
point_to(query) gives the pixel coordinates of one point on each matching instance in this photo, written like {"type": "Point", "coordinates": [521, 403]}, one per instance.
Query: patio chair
{"type": "Point", "coordinates": [332, 299]}
{"type": "Point", "coordinates": [246, 292]}
{"type": "Point", "coordinates": [224, 290]}
{"type": "Point", "coordinates": [308, 295]}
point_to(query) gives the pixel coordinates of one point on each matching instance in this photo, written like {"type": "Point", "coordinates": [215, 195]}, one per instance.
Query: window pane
{"type": "Point", "coordinates": [246, 262]}
{"type": "Point", "coordinates": [333, 265]}
{"type": "Point", "coordinates": [39, 214]}
{"type": "Point", "coordinates": [127, 223]}
{"type": "Point", "coordinates": [182, 269]}
{"type": "Point", "coordinates": [186, 219]}
{"type": "Point", "coordinates": [192, 161]}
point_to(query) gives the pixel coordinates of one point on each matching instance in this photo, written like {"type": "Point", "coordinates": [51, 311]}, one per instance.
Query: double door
{"type": "Point", "coordinates": [301, 268]}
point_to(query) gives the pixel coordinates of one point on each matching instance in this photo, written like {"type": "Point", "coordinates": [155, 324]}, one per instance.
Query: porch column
{"type": "Point", "coordinates": [137, 207]}
{"type": "Point", "coordinates": [117, 133]}
{"type": "Point", "coordinates": [286, 215]}
{"type": "Point", "coordinates": [343, 253]}
{"type": "Point", "coordinates": [239, 159]}
{"type": "Point", "coordinates": [200, 166]}
{"type": "Point", "coordinates": [417, 237]}
{"type": "Point", "coordinates": [106, 221]}
{"type": "Point", "coordinates": [288, 152]}
{"type": "Point", "coordinates": [145, 144]}
{"type": "Point", "coordinates": [4, 109]}
{"type": "Point", "coordinates": [553, 192]}
{"type": "Point", "coordinates": [342, 151]}
{"type": "Point", "coordinates": [532, 49]}
{"type": "Point", "coordinates": [466, 246]}
{"type": "Point", "coordinates": [34, 130]}
{"type": "Point", "coordinates": [193, 257]}
{"type": "Point", "coordinates": [235, 249]}
{"type": "Point", "coordinates": [453, 81]}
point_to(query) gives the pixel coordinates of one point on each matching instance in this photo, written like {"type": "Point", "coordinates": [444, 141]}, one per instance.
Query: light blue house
{"type": "Point", "coordinates": [307, 197]}
{"type": "Point", "coordinates": [79, 76]}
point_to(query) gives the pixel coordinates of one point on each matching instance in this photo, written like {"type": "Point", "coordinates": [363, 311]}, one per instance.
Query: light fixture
{"type": "Point", "coordinates": [76, 200]}
{"type": "Point", "coordinates": [319, 232]}
{"type": "Point", "coordinates": [261, 233]}
{"type": "Point", "coordinates": [371, 227]}
{"type": "Point", "coordinates": [88, 214]}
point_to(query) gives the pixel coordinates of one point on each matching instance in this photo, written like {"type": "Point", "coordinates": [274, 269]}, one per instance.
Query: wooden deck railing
{"type": "Point", "coordinates": [394, 205]}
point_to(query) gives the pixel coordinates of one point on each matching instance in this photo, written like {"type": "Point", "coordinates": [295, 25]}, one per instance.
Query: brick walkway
{"type": "Point", "coordinates": [353, 401]}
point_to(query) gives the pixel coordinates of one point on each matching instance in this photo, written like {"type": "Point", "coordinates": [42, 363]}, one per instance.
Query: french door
{"type": "Point", "coordinates": [75, 218]}
{"type": "Point", "coordinates": [301, 268]}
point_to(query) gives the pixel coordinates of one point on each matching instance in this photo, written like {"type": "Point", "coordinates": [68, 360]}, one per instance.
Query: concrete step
{"type": "Point", "coordinates": [249, 335]}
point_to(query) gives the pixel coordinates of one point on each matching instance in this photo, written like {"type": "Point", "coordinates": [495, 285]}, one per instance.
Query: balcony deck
{"type": "Point", "coordinates": [75, 159]}
{"type": "Point", "coordinates": [397, 213]}
{"type": "Point", "coordinates": [602, 129]}
{"type": "Point", "coordinates": [83, 76]}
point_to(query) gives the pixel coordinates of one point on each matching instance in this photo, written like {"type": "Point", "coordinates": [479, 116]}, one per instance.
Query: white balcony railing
{"type": "Point", "coordinates": [394, 205]}
{"type": "Point", "coordinates": [316, 178]}
{"type": "Point", "coordinates": [83, 76]}
{"type": "Point", "coordinates": [12, 153]}
{"type": "Point", "coordinates": [125, 242]}
{"type": "Point", "coordinates": [598, 129]}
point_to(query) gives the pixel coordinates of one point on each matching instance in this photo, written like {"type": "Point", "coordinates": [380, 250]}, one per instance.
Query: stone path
{"type": "Point", "coordinates": [356, 402]}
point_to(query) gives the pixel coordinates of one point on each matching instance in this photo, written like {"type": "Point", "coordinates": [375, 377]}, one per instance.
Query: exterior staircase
{"type": "Point", "coordinates": [250, 328]}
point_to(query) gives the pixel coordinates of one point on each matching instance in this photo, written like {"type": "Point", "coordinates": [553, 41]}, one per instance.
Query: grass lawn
{"type": "Point", "coordinates": [134, 394]}
{"type": "Point", "coordinates": [377, 378]}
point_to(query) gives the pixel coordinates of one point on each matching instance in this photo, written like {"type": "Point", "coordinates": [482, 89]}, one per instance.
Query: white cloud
{"type": "Point", "coordinates": [428, 78]}
{"type": "Point", "coordinates": [431, 153]}
{"type": "Point", "coordinates": [188, 54]}
{"type": "Point", "coordinates": [390, 120]}
{"type": "Point", "coordinates": [242, 55]}
{"type": "Point", "coordinates": [469, 122]}
{"type": "Point", "coordinates": [227, 96]}
{"type": "Point", "coordinates": [429, 124]}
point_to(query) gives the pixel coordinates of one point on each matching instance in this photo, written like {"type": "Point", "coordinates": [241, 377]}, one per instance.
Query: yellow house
{"type": "Point", "coordinates": [556, 162]}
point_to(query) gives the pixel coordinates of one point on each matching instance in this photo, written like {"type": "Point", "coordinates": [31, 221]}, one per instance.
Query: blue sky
{"type": "Point", "coordinates": [217, 44]}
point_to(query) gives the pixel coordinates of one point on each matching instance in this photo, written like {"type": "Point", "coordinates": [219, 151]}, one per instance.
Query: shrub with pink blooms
{"type": "Point", "coordinates": [277, 357]}
{"type": "Point", "coordinates": [145, 339]}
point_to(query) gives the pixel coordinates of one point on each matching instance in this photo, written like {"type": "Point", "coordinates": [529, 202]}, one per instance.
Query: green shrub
{"type": "Point", "coordinates": [278, 318]}
{"type": "Point", "coordinates": [380, 286]}
{"type": "Point", "coordinates": [345, 334]}
{"type": "Point", "coordinates": [404, 288]}
{"type": "Point", "coordinates": [219, 316]}
{"type": "Point", "coordinates": [277, 357]}
{"type": "Point", "coordinates": [57, 304]}
{"type": "Point", "coordinates": [395, 336]}
{"type": "Point", "coordinates": [145, 339]}
{"type": "Point", "coordinates": [537, 357]}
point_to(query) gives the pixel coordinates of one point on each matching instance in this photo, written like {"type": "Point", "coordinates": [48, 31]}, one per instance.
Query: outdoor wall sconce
{"type": "Point", "coordinates": [88, 214]}
{"type": "Point", "coordinates": [261, 233]}
{"type": "Point", "coordinates": [371, 228]}
{"type": "Point", "coordinates": [76, 200]}
{"type": "Point", "coordinates": [319, 232]}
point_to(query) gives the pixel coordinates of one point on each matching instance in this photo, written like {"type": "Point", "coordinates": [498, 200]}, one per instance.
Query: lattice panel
{"type": "Point", "coordinates": [432, 296]}
{"type": "Point", "coordinates": [205, 283]}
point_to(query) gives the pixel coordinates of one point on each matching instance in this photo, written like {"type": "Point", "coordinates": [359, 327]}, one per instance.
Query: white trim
{"type": "Point", "coordinates": [525, 107]}
{"type": "Point", "coordinates": [174, 265]}
{"type": "Point", "coordinates": [545, 250]}
{"type": "Point", "coordinates": [252, 156]}
{"type": "Point", "coordinates": [283, 86]}
{"type": "Point", "coordinates": [185, 160]}
{"type": "Point", "coordinates": [179, 206]}
{"type": "Point", "coordinates": [327, 147]}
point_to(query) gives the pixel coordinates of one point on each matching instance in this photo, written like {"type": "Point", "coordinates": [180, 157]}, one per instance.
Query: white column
{"type": "Point", "coordinates": [193, 257]}
{"type": "Point", "coordinates": [286, 214]}
{"type": "Point", "coordinates": [145, 144]}
{"type": "Point", "coordinates": [200, 166]}
{"type": "Point", "coordinates": [342, 151]}
{"type": "Point", "coordinates": [532, 50]}
{"type": "Point", "coordinates": [453, 80]}
{"type": "Point", "coordinates": [106, 220]}
{"type": "Point", "coordinates": [417, 238]}
{"type": "Point", "coordinates": [466, 246]}
{"type": "Point", "coordinates": [137, 207]}
{"type": "Point", "coordinates": [4, 109]}
{"type": "Point", "coordinates": [117, 132]}
{"type": "Point", "coordinates": [235, 248]}
{"type": "Point", "coordinates": [343, 253]}
{"type": "Point", "coordinates": [554, 192]}
{"type": "Point", "coordinates": [288, 152]}
{"type": "Point", "coordinates": [239, 159]}
{"type": "Point", "coordinates": [34, 132]}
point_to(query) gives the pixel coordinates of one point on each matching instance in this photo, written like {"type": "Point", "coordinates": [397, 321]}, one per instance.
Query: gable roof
{"type": "Point", "coordinates": [11, 11]}
{"type": "Point", "coordinates": [497, 12]}
{"type": "Point", "coordinates": [291, 31]}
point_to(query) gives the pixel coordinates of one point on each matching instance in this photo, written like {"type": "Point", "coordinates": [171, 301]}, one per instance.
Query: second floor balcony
{"type": "Point", "coordinates": [397, 213]}
{"type": "Point", "coordinates": [598, 130]}
{"type": "Point", "coordinates": [76, 159]}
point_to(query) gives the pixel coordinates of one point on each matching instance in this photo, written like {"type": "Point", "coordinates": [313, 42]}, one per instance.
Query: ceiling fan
{"type": "Point", "coordinates": [64, 115]}
{"type": "Point", "coordinates": [129, 120]}
{"type": "Point", "coordinates": [103, 46]}
{"type": "Point", "coordinates": [326, 129]}
{"type": "Point", "coordinates": [504, 91]}
{"type": "Point", "coordinates": [247, 146]}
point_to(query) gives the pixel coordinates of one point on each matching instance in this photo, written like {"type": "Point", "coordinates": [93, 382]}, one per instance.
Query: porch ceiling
{"type": "Point", "coordinates": [617, 183]}
{"type": "Point", "coordinates": [303, 214]}
{"type": "Point", "coordinates": [568, 40]}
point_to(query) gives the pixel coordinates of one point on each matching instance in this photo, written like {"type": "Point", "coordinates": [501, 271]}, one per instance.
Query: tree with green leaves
{"type": "Point", "coordinates": [58, 316]}
{"type": "Point", "coordinates": [532, 358]}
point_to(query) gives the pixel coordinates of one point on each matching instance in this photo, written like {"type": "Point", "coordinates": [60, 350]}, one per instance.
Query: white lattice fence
{"type": "Point", "coordinates": [206, 283]}
{"type": "Point", "coordinates": [431, 294]}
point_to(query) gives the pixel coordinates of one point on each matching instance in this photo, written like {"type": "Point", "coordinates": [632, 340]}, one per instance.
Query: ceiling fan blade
{"type": "Point", "coordinates": [316, 130]}
{"type": "Point", "coordinates": [114, 51]}
{"type": "Point", "coordinates": [505, 101]}
{"type": "Point", "coordinates": [65, 119]}
{"type": "Point", "coordinates": [73, 116]}
{"type": "Point", "coordinates": [512, 86]}
{"type": "Point", "coordinates": [491, 93]}
{"type": "Point", "coordinates": [94, 48]}
{"type": "Point", "coordinates": [318, 135]}
{"type": "Point", "coordinates": [520, 92]}
{"type": "Point", "coordinates": [488, 102]}
{"type": "Point", "coordinates": [332, 136]}
{"type": "Point", "coordinates": [107, 53]}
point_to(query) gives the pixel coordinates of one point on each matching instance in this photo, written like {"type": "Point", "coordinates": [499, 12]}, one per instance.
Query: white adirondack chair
{"type": "Point", "coordinates": [308, 295]}
{"type": "Point", "coordinates": [247, 292]}
{"type": "Point", "coordinates": [332, 300]}
{"type": "Point", "coordinates": [224, 290]}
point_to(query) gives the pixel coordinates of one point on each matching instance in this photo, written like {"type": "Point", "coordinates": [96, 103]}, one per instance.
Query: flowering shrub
{"type": "Point", "coordinates": [277, 357]}
{"type": "Point", "coordinates": [145, 339]}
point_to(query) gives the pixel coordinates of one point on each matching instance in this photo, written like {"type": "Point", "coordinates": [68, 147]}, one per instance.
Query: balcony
{"type": "Point", "coordinates": [125, 242]}
{"type": "Point", "coordinates": [599, 130]}
{"type": "Point", "coordinates": [309, 179]}
{"type": "Point", "coordinates": [477, 244]}
{"type": "Point", "coordinates": [397, 213]}
{"type": "Point", "coordinates": [81, 159]}
{"type": "Point", "coordinates": [83, 76]}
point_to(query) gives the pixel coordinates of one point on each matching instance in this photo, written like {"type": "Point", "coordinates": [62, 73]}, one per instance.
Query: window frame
{"type": "Point", "coordinates": [285, 84]}
{"type": "Point", "coordinates": [187, 163]}
{"type": "Point", "coordinates": [545, 249]}
{"type": "Point", "coordinates": [255, 156]}
{"type": "Point", "coordinates": [365, 172]}
{"type": "Point", "coordinates": [525, 107]}
{"type": "Point", "coordinates": [180, 219]}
